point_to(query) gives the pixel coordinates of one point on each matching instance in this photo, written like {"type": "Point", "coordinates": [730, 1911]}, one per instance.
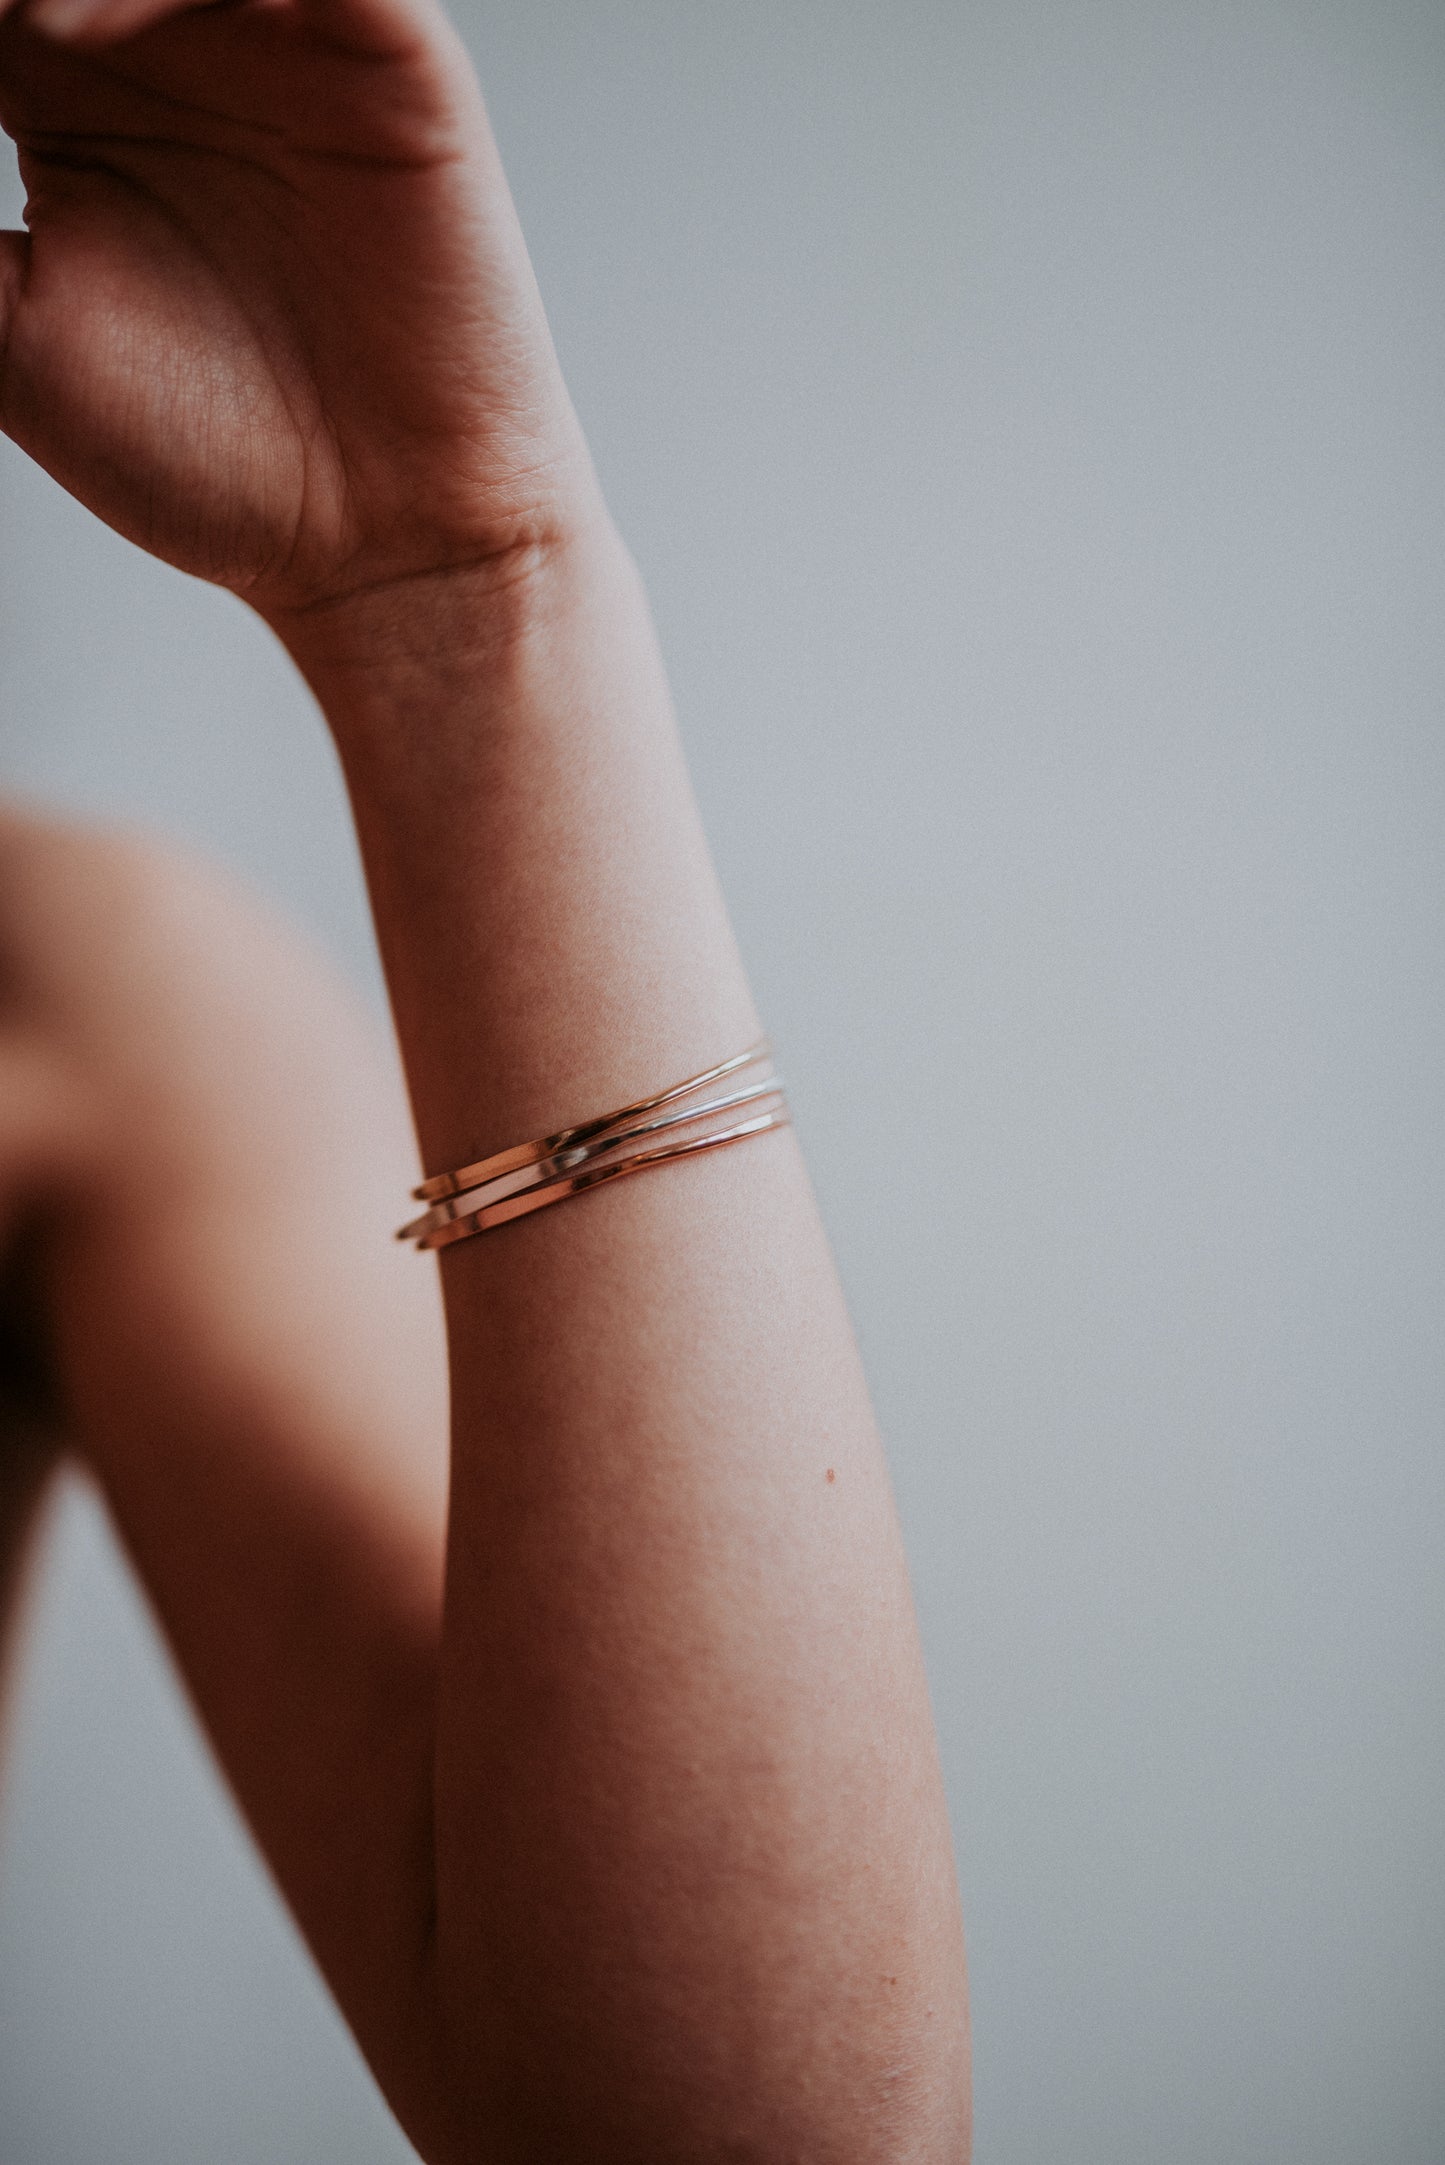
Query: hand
{"type": "Point", "coordinates": [273, 318]}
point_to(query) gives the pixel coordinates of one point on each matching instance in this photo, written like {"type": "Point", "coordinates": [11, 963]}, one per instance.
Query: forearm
{"type": "Point", "coordinates": [694, 1889]}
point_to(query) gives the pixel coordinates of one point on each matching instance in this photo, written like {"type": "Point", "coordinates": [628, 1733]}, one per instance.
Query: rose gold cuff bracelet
{"type": "Point", "coordinates": [531, 1176]}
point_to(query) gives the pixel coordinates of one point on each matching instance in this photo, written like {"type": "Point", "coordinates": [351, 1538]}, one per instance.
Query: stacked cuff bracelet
{"type": "Point", "coordinates": [531, 1176]}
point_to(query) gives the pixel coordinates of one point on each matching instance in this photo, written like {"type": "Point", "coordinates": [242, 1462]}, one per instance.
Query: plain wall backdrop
{"type": "Point", "coordinates": [1028, 416]}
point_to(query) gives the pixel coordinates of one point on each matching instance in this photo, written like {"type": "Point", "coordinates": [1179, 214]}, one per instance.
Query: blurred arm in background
{"type": "Point", "coordinates": [198, 1130]}
{"type": "Point", "coordinates": [631, 1844]}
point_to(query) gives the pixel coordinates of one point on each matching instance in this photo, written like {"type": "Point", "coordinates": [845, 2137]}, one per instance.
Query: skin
{"type": "Point", "coordinates": [199, 1130]}
{"type": "Point", "coordinates": [621, 1836]}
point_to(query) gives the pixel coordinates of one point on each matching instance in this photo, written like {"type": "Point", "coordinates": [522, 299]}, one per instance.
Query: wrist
{"type": "Point", "coordinates": [419, 643]}
{"type": "Point", "coordinates": [429, 688]}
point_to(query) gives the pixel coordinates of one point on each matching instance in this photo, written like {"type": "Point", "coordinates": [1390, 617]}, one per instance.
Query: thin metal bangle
{"type": "Point", "coordinates": [441, 1185]}
{"type": "Point", "coordinates": [579, 1154]}
{"type": "Point", "coordinates": [558, 1191]}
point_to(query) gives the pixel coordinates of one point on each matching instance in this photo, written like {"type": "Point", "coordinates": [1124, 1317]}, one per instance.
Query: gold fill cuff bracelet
{"type": "Point", "coordinates": [576, 1155]}
{"type": "Point", "coordinates": [488, 1215]}
{"type": "Point", "coordinates": [509, 1161]}
{"type": "Point", "coordinates": [513, 1183]}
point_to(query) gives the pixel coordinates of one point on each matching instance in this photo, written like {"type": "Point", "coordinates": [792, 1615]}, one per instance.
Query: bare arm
{"type": "Point", "coordinates": [677, 1881]}
{"type": "Point", "coordinates": [688, 1818]}
{"type": "Point", "coordinates": [198, 1136]}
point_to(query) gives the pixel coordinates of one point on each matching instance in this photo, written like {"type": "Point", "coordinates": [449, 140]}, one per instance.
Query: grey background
{"type": "Point", "coordinates": [1029, 418]}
